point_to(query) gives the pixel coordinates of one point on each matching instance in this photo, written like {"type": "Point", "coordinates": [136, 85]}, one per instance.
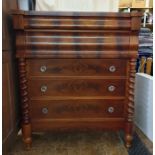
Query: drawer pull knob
{"type": "Point", "coordinates": [44, 110]}
{"type": "Point", "coordinates": [111, 88]}
{"type": "Point", "coordinates": [111, 109]}
{"type": "Point", "coordinates": [43, 69]}
{"type": "Point", "coordinates": [112, 68]}
{"type": "Point", "coordinates": [43, 88]}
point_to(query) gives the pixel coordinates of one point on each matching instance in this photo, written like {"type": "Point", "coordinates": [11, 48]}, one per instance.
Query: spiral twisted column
{"type": "Point", "coordinates": [130, 104]}
{"type": "Point", "coordinates": [26, 126]}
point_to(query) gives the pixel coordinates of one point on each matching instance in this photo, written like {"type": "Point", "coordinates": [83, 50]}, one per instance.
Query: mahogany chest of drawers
{"type": "Point", "coordinates": [76, 70]}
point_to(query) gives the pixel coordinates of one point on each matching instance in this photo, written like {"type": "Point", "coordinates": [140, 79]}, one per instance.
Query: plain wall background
{"type": "Point", "coordinates": [77, 5]}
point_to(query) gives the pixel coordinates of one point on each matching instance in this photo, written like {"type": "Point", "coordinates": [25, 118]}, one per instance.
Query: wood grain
{"type": "Point", "coordinates": [85, 124]}
{"type": "Point", "coordinates": [76, 35]}
{"type": "Point", "coordinates": [26, 124]}
{"type": "Point", "coordinates": [130, 103]}
{"type": "Point", "coordinates": [10, 104]}
{"type": "Point", "coordinates": [80, 87]}
{"type": "Point", "coordinates": [76, 67]}
{"type": "Point", "coordinates": [68, 56]}
{"type": "Point", "coordinates": [76, 109]}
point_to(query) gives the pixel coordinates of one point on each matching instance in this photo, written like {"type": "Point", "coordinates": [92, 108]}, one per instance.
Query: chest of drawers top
{"type": "Point", "coordinates": [76, 35]}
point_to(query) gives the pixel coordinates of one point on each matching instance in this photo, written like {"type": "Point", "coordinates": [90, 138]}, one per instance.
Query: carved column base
{"type": "Point", "coordinates": [26, 132]}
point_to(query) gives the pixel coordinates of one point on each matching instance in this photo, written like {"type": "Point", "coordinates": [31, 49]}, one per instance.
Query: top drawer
{"type": "Point", "coordinates": [76, 67]}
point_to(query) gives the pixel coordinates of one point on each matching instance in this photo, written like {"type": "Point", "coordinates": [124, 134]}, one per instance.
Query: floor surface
{"type": "Point", "coordinates": [90, 143]}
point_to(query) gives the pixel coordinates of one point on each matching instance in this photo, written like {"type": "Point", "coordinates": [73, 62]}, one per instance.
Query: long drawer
{"type": "Point", "coordinates": [75, 87]}
{"type": "Point", "coordinates": [76, 67]}
{"type": "Point", "coordinates": [82, 108]}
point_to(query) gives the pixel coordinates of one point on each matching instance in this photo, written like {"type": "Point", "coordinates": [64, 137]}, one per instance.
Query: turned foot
{"type": "Point", "coordinates": [128, 141]}
{"type": "Point", "coordinates": [26, 133]}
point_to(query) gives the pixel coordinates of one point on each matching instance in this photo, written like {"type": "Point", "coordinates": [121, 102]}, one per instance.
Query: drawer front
{"type": "Point", "coordinates": [44, 109]}
{"type": "Point", "coordinates": [78, 87]}
{"type": "Point", "coordinates": [76, 67]}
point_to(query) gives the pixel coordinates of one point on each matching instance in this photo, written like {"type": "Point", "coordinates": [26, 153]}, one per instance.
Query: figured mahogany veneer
{"type": "Point", "coordinates": [76, 87]}
{"type": "Point", "coordinates": [90, 108]}
{"type": "Point", "coordinates": [76, 70]}
{"type": "Point", "coordinates": [76, 67]}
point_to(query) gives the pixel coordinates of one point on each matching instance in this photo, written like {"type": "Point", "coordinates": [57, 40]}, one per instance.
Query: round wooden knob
{"type": "Point", "coordinates": [44, 110]}
{"type": "Point", "coordinates": [112, 68]}
{"type": "Point", "coordinates": [111, 109]}
{"type": "Point", "coordinates": [111, 88]}
{"type": "Point", "coordinates": [43, 68]}
{"type": "Point", "coordinates": [43, 88]}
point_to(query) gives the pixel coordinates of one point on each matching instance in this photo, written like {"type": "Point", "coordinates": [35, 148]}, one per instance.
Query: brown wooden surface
{"type": "Point", "coordinates": [76, 87]}
{"type": "Point", "coordinates": [10, 113]}
{"type": "Point", "coordinates": [26, 124]}
{"type": "Point", "coordinates": [130, 102]}
{"type": "Point", "coordinates": [82, 108]}
{"type": "Point", "coordinates": [10, 110]}
{"type": "Point", "coordinates": [7, 102]}
{"type": "Point", "coordinates": [69, 55]}
{"type": "Point", "coordinates": [78, 124]}
{"type": "Point", "coordinates": [149, 63]}
{"type": "Point", "coordinates": [76, 35]}
{"type": "Point", "coordinates": [76, 67]}
{"type": "Point", "coordinates": [7, 26]}
{"type": "Point", "coordinates": [142, 64]}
